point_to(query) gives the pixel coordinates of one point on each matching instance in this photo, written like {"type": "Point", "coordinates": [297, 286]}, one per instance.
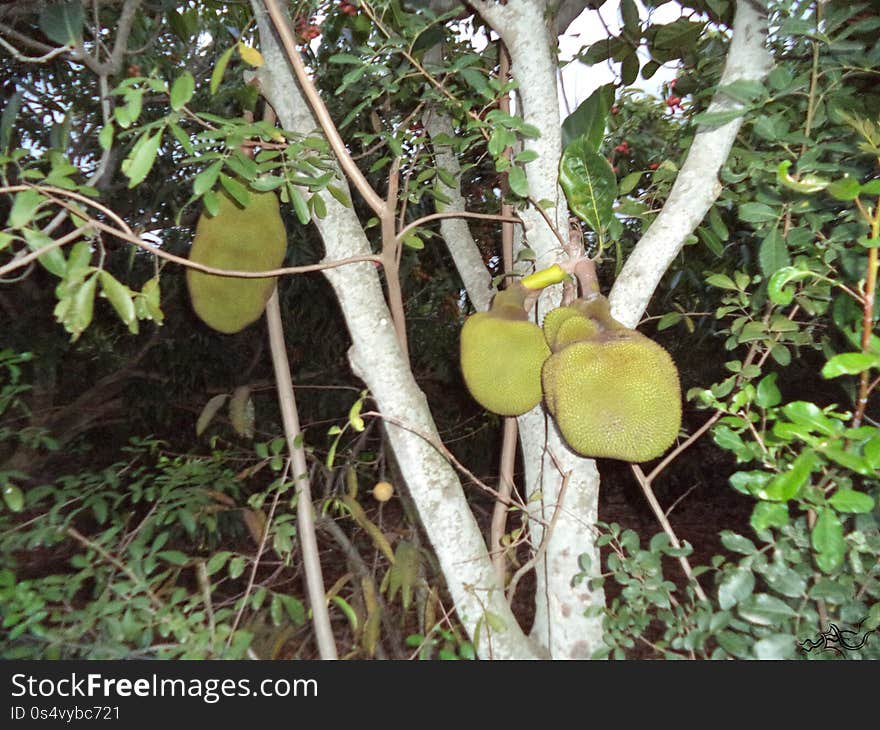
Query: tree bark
{"type": "Point", "coordinates": [376, 357]}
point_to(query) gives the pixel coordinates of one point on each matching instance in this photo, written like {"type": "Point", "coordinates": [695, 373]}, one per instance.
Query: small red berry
{"type": "Point", "coordinates": [623, 148]}
{"type": "Point", "coordinates": [614, 109]}
{"type": "Point", "coordinates": [653, 166]}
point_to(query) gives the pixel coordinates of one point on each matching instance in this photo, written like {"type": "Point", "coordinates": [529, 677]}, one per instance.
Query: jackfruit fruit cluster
{"type": "Point", "coordinates": [237, 238]}
{"type": "Point", "coordinates": [613, 392]}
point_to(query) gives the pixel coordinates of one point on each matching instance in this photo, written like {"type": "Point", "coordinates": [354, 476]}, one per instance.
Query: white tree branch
{"type": "Point", "coordinates": [455, 231]}
{"type": "Point", "coordinates": [697, 187]}
{"type": "Point", "coordinates": [375, 356]}
{"type": "Point", "coordinates": [529, 33]}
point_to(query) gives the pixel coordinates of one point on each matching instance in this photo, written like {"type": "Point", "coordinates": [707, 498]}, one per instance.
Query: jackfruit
{"type": "Point", "coordinates": [249, 238]}
{"type": "Point", "coordinates": [502, 353]}
{"type": "Point", "coordinates": [613, 392]}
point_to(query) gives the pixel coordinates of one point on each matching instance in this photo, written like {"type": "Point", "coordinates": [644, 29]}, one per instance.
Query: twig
{"type": "Point", "coordinates": [674, 454]}
{"type": "Point", "coordinates": [79, 537]}
{"type": "Point", "coordinates": [457, 214]}
{"type": "Point", "coordinates": [542, 548]}
{"type": "Point", "coordinates": [505, 489]}
{"type": "Point", "coordinates": [645, 484]}
{"type": "Point", "coordinates": [305, 518]}
{"type": "Point", "coordinates": [205, 585]}
{"type": "Point", "coordinates": [125, 233]}
{"type": "Point", "coordinates": [252, 578]}
{"type": "Point", "coordinates": [288, 41]}
{"type": "Point", "coordinates": [441, 447]}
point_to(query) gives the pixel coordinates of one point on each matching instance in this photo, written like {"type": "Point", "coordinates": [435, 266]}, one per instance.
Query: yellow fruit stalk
{"type": "Point", "coordinates": [502, 353]}
{"type": "Point", "coordinates": [613, 392]}
{"type": "Point", "coordinates": [249, 238]}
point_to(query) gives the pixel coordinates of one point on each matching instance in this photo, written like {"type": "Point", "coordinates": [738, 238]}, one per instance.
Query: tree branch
{"type": "Point", "coordinates": [288, 42]}
{"type": "Point", "coordinates": [304, 517]}
{"type": "Point", "coordinates": [696, 187]}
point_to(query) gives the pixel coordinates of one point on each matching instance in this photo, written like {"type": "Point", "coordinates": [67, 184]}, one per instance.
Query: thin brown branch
{"type": "Point", "coordinates": [288, 42]}
{"type": "Point", "coordinates": [116, 562]}
{"type": "Point", "coordinates": [687, 443]}
{"type": "Point", "coordinates": [457, 214]}
{"type": "Point", "coordinates": [125, 233]}
{"type": "Point", "coordinates": [305, 518]}
{"type": "Point", "coordinates": [505, 489]}
{"type": "Point", "coordinates": [645, 484]}
{"type": "Point", "coordinates": [539, 553]}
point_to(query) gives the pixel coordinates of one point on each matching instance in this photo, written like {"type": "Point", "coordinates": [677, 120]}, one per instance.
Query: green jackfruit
{"type": "Point", "coordinates": [501, 355]}
{"type": "Point", "coordinates": [613, 392]}
{"type": "Point", "coordinates": [250, 238]}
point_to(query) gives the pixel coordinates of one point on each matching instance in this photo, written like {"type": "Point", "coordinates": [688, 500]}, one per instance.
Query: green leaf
{"type": "Point", "coordinates": [589, 119]}
{"type": "Point", "coordinates": [769, 514]}
{"type": "Point", "coordinates": [776, 646]}
{"type": "Point", "coordinates": [776, 287]}
{"type": "Point", "coordinates": [735, 586]}
{"type": "Point", "coordinates": [809, 414]}
{"type": "Point", "coordinates": [745, 91]}
{"type": "Point", "coordinates": [629, 182]}
{"type": "Point", "coordinates": [757, 213]}
{"type": "Point", "coordinates": [589, 184]}
{"type": "Point", "coordinates": [205, 180]}
{"type": "Point", "coordinates": [182, 90]}
{"type": "Point", "coordinates": [850, 363]}
{"type": "Point", "coordinates": [354, 415]}
{"type": "Point", "coordinates": [629, 69]}
{"type": "Point", "coordinates": [241, 411]}
{"type": "Point", "coordinates": [299, 205]}
{"type": "Point", "coordinates": [737, 543]}
{"type": "Point", "coordinates": [140, 161]}
{"type": "Point", "coordinates": [629, 12]}
{"type": "Point", "coordinates": [217, 561]}
{"type": "Point", "coordinates": [105, 138]}
{"type": "Point", "coordinates": [13, 497]}
{"type": "Point", "coordinates": [773, 253]}
{"type": "Point", "coordinates": [24, 207]}
{"type": "Point", "coordinates": [722, 281]}
{"type": "Point", "coordinates": [804, 184]}
{"type": "Point", "coordinates": [74, 310]}
{"type": "Point", "coordinates": [175, 557]}
{"type": "Point", "coordinates": [519, 185]}
{"type": "Point", "coordinates": [53, 260]}
{"type": "Point", "coordinates": [847, 188]}
{"type": "Point", "coordinates": [783, 579]}
{"type": "Point", "coordinates": [767, 394]}
{"type": "Point", "coordinates": [7, 120]}
{"type": "Point", "coordinates": [238, 191]}
{"type": "Point", "coordinates": [236, 567]}
{"type": "Point", "coordinates": [827, 539]}
{"type": "Point", "coordinates": [63, 22]}
{"type": "Point", "coordinates": [120, 297]}
{"type": "Point", "coordinates": [220, 69]}
{"type": "Point", "coordinates": [765, 610]}
{"type": "Point", "coordinates": [785, 486]}
{"type": "Point", "coordinates": [849, 500]}
{"type": "Point", "coordinates": [717, 119]}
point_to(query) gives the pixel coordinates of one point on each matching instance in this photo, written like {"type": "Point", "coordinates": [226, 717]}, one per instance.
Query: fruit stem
{"type": "Point", "coordinates": [585, 271]}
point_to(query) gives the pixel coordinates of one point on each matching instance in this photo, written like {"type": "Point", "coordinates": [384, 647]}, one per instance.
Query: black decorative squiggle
{"type": "Point", "coordinates": [838, 640]}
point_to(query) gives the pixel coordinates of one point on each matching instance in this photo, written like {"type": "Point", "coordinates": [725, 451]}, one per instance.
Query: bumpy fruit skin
{"type": "Point", "coordinates": [252, 238]}
{"type": "Point", "coordinates": [501, 357]}
{"type": "Point", "coordinates": [613, 393]}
